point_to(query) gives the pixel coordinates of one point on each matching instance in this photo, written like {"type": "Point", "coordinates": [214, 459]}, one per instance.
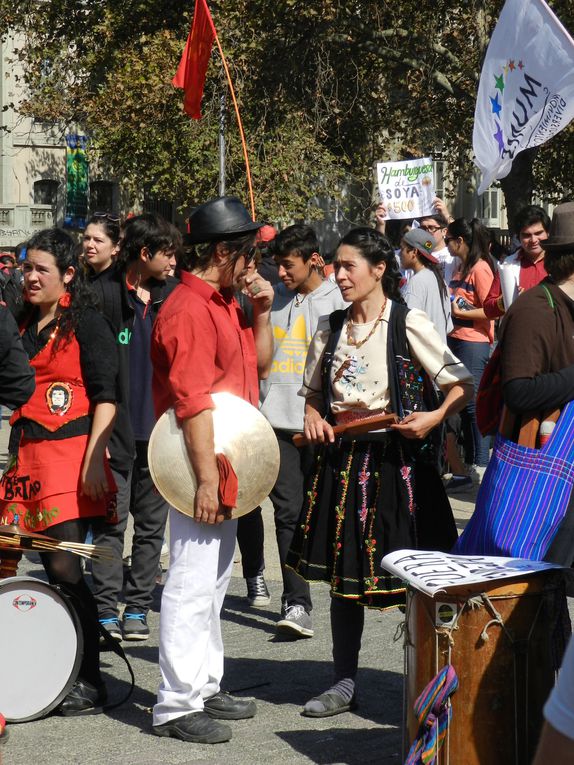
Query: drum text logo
{"type": "Point", "coordinates": [24, 602]}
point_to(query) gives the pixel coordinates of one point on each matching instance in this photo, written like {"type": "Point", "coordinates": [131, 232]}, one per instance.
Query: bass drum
{"type": "Point", "coordinates": [41, 648]}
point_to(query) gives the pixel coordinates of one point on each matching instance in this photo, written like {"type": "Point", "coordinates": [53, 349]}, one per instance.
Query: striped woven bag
{"type": "Point", "coordinates": [523, 497]}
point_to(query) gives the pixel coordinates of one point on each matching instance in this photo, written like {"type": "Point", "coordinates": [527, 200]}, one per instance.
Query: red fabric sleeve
{"type": "Point", "coordinates": [489, 305]}
{"type": "Point", "coordinates": [184, 361]}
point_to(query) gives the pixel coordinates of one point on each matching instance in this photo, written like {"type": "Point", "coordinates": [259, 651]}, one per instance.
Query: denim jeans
{"type": "Point", "coordinates": [474, 356]}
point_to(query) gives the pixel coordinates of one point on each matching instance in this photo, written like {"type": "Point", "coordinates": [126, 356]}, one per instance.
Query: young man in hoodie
{"type": "Point", "coordinates": [302, 298]}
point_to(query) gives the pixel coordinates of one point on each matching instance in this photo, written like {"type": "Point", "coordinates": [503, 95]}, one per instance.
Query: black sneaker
{"type": "Point", "coordinates": [257, 592]}
{"type": "Point", "coordinates": [134, 625]}
{"type": "Point", "coordinates": [224, 706]}
{"type": "Point", "coordinates": [196, 727]}
{"type": "Point", "coordinates": [84, 699]}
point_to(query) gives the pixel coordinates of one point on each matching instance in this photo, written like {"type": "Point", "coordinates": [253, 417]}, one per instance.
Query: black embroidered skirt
{"type": "Point", "coordinates": [363, 501]}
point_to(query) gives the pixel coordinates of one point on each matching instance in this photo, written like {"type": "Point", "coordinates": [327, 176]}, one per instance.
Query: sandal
{"type": "Point", "coordinates": [332, 704]}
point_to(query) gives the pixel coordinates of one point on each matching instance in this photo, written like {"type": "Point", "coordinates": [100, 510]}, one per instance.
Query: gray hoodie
{"type": "Point", "coordinates": [294, 318]}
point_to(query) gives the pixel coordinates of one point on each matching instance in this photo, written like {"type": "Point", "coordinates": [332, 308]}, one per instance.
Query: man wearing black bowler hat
{"type": "Point", "coordinates": [201, 345]}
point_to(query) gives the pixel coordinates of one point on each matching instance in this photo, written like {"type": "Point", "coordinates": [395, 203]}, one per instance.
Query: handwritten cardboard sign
{"type": "Point", "coordinates": [406, 188]}
{"type": "Point", "coordinates": [433, 572]}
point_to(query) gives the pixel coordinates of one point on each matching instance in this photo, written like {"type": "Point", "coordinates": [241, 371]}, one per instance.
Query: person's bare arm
{"type": "Point", "coordinates": [260, 293]}
{"type": "Point", "coordinates": [93, 478]}
{"type": "Point", "coordinates": [199, 441]}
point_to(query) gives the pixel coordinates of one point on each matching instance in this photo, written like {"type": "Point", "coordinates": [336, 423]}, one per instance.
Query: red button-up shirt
{"type": "Point", "coordinates": [201, 344]}
{"type": "Point", "coordinates": [530, 275]}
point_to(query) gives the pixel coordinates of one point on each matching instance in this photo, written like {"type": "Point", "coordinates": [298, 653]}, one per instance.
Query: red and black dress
{"type": "Point", "coordinates": [50, 433]}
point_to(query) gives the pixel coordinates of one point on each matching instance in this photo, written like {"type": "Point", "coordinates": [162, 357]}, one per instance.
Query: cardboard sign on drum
{"type": "Point", "coordinates": [241, 433]}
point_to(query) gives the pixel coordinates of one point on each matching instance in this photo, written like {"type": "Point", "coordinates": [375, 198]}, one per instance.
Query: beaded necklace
{"type": "Point", "coordinates": [359, 343]}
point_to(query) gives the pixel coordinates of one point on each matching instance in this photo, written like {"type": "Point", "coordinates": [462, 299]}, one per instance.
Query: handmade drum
{"type": "Point", "coordinates": [41, 648]}
{"type": "Point", "coordinates": [498, 637]}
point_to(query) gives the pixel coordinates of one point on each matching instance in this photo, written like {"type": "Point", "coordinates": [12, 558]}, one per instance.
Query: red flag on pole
{"type": "Point", "coordinates": [191, 71]}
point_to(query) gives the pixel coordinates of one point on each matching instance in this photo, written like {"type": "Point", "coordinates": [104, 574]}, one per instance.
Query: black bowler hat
{"type": "Point", "coordinates": [218, 219]}
{"type": "Point", "coordinates": [561, 235]}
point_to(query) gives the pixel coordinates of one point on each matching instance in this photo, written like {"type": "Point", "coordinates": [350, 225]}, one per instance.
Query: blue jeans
{"type": "Point", "coordinates": [474, 356]}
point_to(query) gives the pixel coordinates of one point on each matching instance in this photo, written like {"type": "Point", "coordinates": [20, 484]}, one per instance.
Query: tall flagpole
{"type": "Point", "coordinates": [239, 124]}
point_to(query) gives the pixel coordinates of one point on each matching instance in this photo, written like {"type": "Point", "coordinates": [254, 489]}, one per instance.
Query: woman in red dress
{"type": "Point", "coordinates": [57, 479]}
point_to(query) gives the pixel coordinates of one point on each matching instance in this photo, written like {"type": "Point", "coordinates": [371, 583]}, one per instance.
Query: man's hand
{"type": "Point", "coordinates": [441, 208]}
{"type": "Point", "coordinates": [260, 293]}
{"type": "Point", "coordinates": [206, 505]}
{"type": "Point", "coordinates": [380, 218]}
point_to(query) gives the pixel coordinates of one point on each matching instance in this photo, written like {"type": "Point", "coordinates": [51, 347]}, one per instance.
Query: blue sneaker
{"type": "Point", "coordinates": [134, 625]}
{"type": "Point", "coordinates": [112, 625]}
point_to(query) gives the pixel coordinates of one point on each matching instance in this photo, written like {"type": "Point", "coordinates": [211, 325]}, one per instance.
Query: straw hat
{"type": "Point", "coordinates": [241, 433]}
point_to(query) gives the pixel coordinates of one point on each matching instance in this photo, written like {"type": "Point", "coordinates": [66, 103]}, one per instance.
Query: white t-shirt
{"type": "Point", "coordinates": [359, 376]}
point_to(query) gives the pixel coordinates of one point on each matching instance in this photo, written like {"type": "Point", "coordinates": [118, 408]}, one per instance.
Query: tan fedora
{"type": "Point", "coordinates": [561, 236]}
{"type": "Point", "coordinates": [241, 433]}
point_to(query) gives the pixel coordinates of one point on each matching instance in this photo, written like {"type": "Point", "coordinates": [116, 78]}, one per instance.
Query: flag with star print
{"type": "Point", "coordinates": [526, 90]}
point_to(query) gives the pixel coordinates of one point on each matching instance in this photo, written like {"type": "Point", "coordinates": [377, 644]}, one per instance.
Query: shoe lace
{"type": "Point", "coordinates": [294, 612]}
{"type": "Point", "coordinates": [141, 617]}
{"type": "Point", "coordinates": [256, 586]}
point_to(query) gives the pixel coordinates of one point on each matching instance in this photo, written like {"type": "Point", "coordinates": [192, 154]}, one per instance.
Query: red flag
{"type": "Point", "coordinates": [191, 71]}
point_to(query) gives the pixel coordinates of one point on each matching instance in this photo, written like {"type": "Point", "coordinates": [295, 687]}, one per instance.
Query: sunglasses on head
{"type": "Point", "coordinates": [107, 216]}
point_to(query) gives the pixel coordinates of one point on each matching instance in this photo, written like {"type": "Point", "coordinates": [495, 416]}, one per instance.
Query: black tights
{"type": "Point", "coordinates": [347, 621]}
{"type": "Point", "coordinates": [63, 569]}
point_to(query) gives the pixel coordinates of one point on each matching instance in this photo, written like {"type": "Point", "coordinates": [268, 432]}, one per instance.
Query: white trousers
{"type": "Point", "coordinates": [190, 642]}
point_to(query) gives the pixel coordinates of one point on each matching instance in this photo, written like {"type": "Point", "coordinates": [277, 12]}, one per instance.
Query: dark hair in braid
{"type": "Point", "coordinates": [62, 247]}
{"type": "Point", "coordinates": [376, 248]}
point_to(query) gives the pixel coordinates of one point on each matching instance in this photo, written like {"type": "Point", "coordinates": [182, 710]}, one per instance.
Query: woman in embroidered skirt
{"type": "Point", "coordinates": [58, 478]}
{"type": "Point", "coordinates": [381, 491]}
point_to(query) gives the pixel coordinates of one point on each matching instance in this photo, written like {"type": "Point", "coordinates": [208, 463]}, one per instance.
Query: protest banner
{"type": "Point", "coordinates": [406, 188]}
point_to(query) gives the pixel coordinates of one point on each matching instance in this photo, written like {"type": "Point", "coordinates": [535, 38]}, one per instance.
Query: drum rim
{"type": "Point", "coordinates": [67, 601]}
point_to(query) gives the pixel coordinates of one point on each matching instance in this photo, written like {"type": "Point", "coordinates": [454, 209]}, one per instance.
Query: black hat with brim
{"type": "Point", "coordinates": [218, 219]}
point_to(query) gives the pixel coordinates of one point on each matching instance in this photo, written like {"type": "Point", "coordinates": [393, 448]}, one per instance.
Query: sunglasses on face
{"type": "Point", "coordinates": [250, 255]}
{"type": "Point", "coordinates": [448, 239]}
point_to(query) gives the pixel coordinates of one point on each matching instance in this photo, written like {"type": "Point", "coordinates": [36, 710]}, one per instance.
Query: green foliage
{"type": "Point", "coordinates": [325, 89]}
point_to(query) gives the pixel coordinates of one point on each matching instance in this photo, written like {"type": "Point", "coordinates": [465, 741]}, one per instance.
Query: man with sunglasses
{"type": "Point", "coordinates": [435, 225]}
{"type": "Point", "coordinates": [203, 344]}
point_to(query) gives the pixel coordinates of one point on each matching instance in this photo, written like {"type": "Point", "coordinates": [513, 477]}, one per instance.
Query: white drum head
{"type": "Point", "coordinates": [41, 648]}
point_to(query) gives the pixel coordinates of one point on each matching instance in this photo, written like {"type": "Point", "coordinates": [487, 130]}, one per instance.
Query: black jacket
{"type": "Point", "coordinates": [17, 378]}
{"type": "Point", "coordinates": [112, 292]}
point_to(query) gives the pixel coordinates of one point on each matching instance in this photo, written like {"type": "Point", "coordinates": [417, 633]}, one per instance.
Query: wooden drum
{"type": "Point", "coordinates": [498, 637]}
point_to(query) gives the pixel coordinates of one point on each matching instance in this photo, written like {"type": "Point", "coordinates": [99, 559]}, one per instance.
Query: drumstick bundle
{"type": "Point", "coordinates": [41, 543]}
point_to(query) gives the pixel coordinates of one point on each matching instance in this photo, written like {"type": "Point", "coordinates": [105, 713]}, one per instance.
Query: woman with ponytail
{"type": "Point", "coordinates": [380, 491]}
{"type": "Point", "coordinates": [58, 479]}
{"type": "Point", "coordinates": [473, 333]}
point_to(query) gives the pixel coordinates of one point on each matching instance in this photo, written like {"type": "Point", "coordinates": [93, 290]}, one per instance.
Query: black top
{"type": "Point", "coordinates": [16, 375]}
{"type": "Point", "coordinates": [99, 364]}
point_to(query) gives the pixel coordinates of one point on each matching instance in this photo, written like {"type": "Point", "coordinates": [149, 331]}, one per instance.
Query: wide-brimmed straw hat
{"type": "Point", "coordinates": [561, 230]}
{"type": "Point", "coordinates": [241, 433]}
{"type": "Point", "coordinates": [219, 218]}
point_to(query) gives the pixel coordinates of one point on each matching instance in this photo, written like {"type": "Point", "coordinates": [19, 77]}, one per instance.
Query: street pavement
{"type": "Point", "coordinates": [280, 675]}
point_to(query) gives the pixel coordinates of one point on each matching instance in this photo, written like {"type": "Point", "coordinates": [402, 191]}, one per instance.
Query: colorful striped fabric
{"type": "Point", "coordinates": [433, 714]}
{"type": "Point", "coordinates": [523, 497]}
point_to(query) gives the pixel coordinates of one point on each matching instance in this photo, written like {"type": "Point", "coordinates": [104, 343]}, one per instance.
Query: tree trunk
{"type": "Point", "coordinates": [518, 185]}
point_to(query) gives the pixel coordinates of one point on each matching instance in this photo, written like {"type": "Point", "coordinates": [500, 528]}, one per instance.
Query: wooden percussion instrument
{"type": "Point", "coordinates": [498, 637]}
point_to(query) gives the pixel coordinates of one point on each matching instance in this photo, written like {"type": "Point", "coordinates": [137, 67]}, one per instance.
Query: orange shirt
{"type": "Point", "coordinates": [474, 288]}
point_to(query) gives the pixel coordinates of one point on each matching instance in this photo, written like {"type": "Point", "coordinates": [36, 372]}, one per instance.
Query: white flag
{"type": "Point", "coordinates": [526, 90]}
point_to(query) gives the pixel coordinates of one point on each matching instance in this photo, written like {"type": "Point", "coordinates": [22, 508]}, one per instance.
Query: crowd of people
{"type": "Point", "coordinates": [111, 330]}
